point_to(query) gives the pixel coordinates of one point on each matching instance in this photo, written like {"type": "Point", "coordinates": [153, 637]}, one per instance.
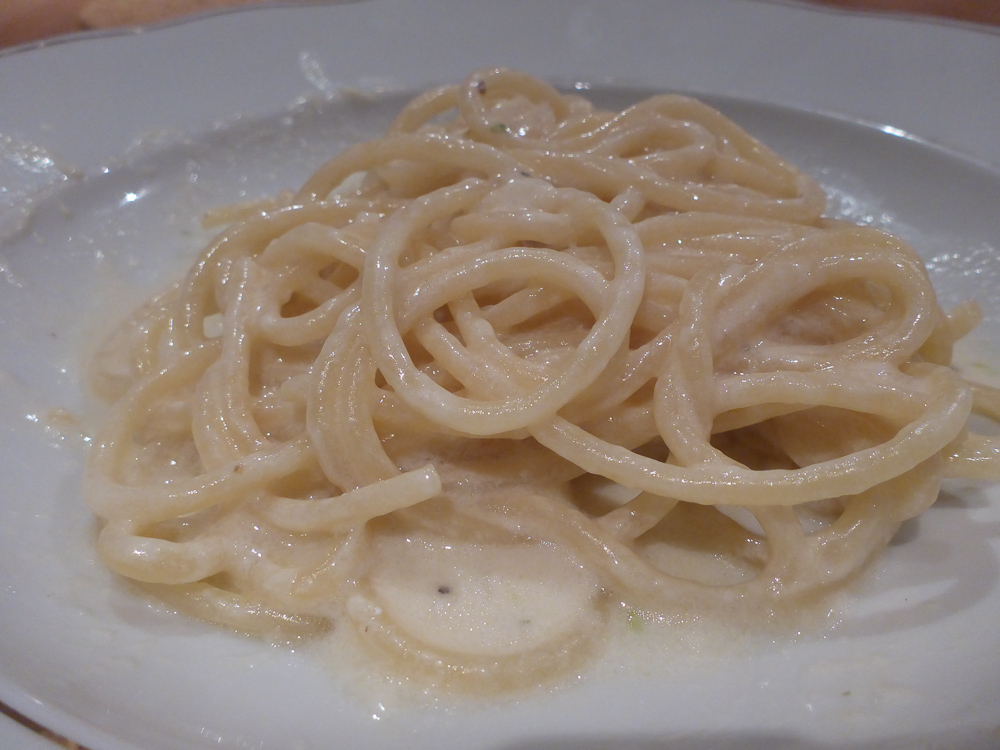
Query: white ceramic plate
{"type": "Point", "coordinates": [154, 127]}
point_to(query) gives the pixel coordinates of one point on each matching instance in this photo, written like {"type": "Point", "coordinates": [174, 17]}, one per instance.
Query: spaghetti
{"type": "Point", "coordinates": [517, 361]}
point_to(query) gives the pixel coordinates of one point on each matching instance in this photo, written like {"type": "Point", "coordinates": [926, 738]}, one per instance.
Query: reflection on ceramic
{"type": "Point", "coordinates": [914, 659]}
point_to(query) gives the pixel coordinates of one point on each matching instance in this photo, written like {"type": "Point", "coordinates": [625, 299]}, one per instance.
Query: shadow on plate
{"type": "Point", "coordinates": [941, 563]}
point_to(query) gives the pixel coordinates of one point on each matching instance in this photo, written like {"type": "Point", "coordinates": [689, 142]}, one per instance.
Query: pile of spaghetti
{"type": "Point", "coordinates": [516, 366]}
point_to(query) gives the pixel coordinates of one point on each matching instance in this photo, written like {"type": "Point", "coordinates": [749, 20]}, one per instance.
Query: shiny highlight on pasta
{"type": "Point", "coordinates": [516, 367]}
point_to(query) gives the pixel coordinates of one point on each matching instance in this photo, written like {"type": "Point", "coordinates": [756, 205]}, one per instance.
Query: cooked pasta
{"type": "Point", "coordinates": [516, 366]}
